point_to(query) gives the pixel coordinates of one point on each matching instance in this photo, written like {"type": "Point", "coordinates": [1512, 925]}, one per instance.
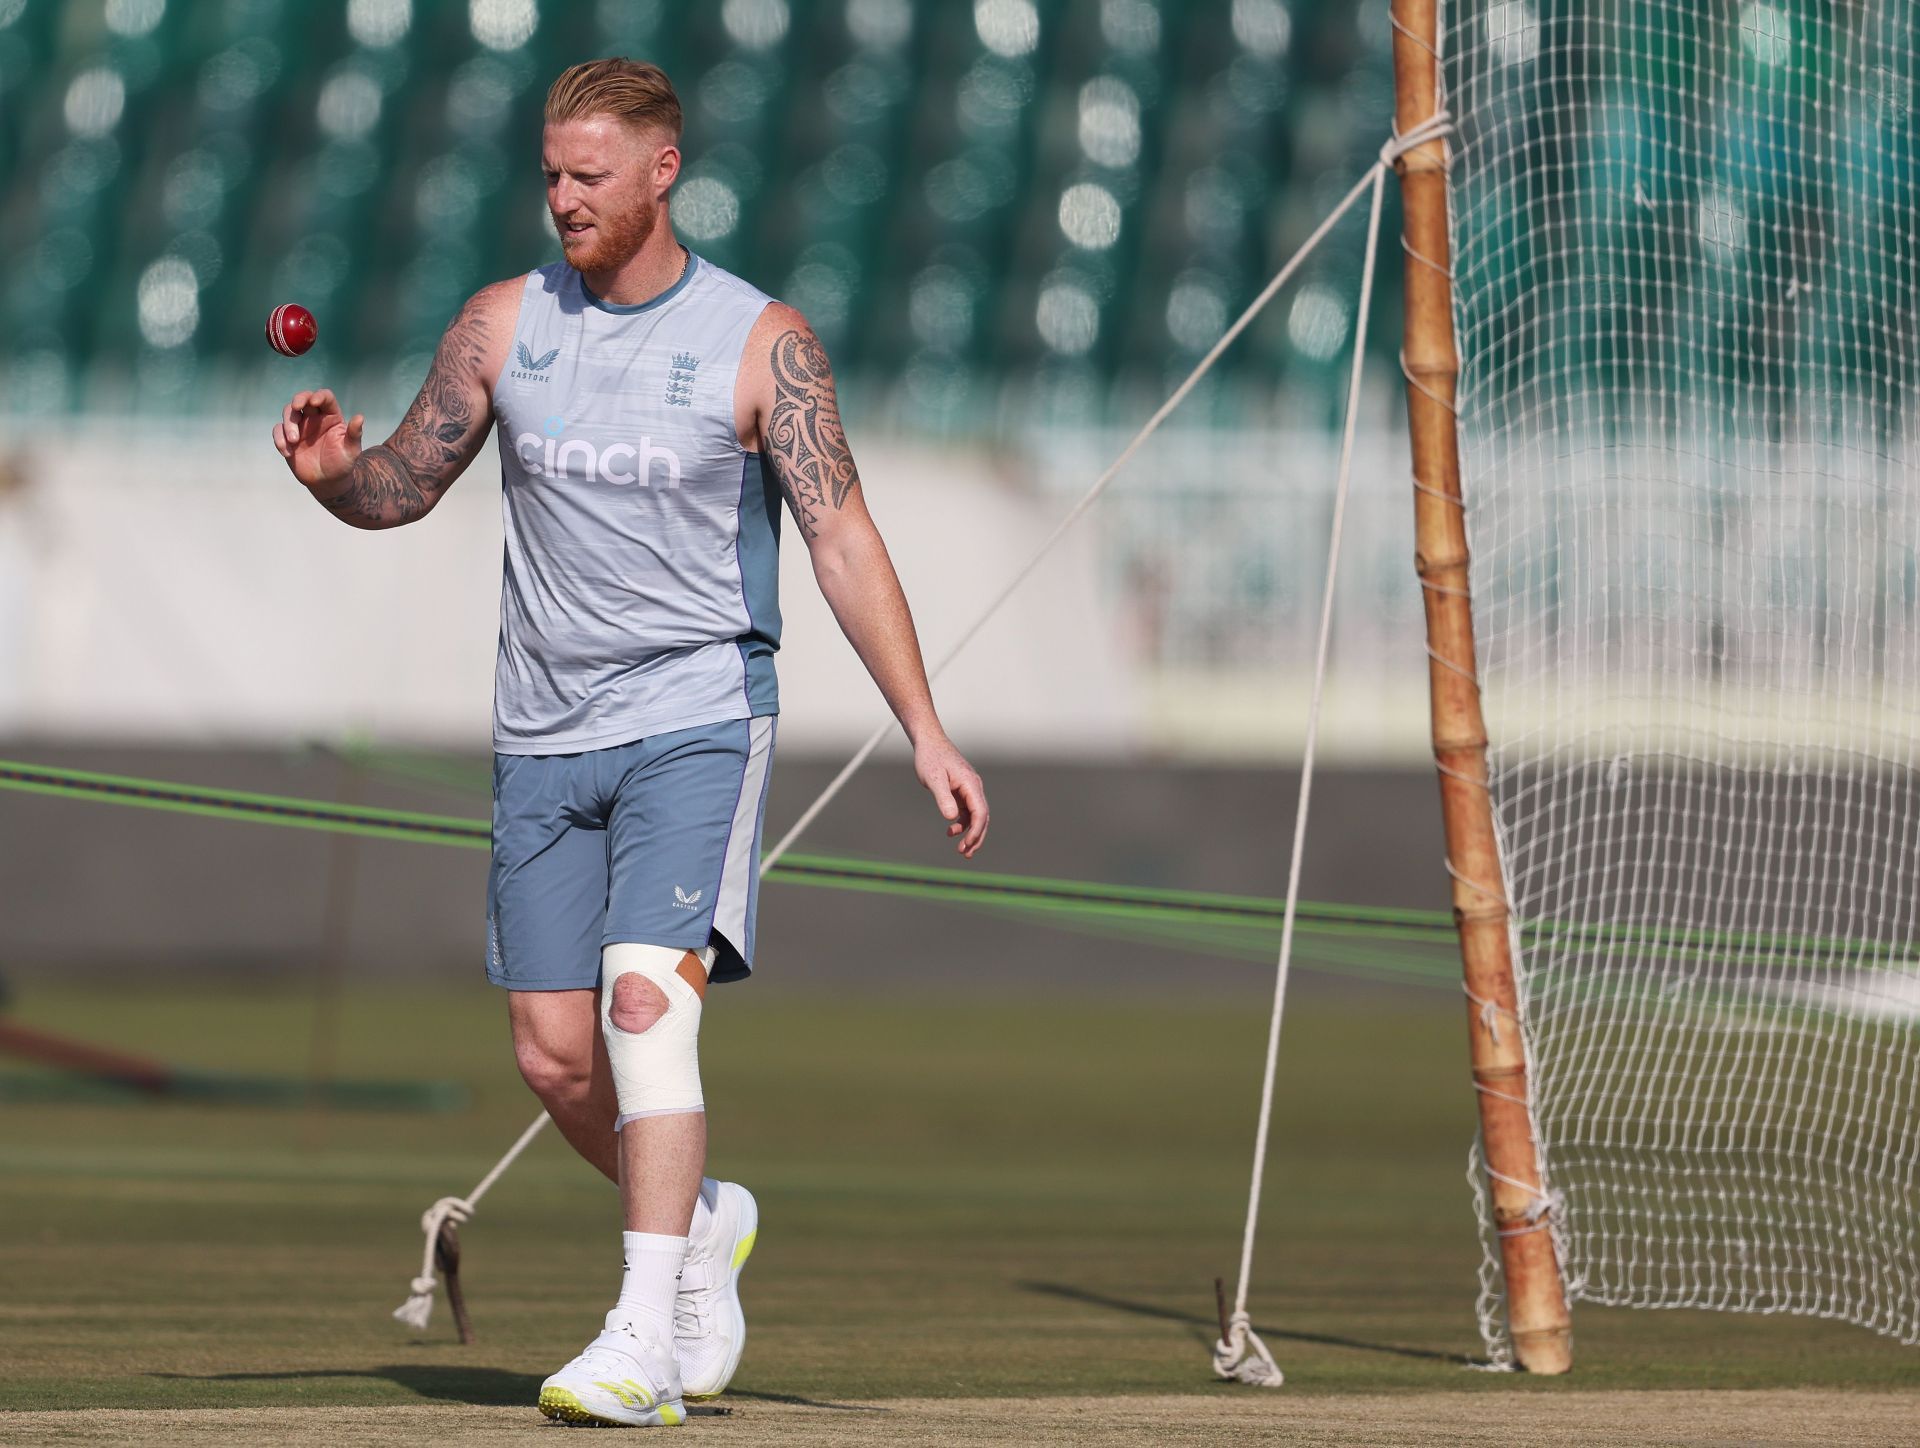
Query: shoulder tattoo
{"type": "Point", "coordinates": [805, 440]}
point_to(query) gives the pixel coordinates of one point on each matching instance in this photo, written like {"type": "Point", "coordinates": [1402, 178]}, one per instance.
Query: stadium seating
{"type": "Point", "coordinates": [1053, 202]}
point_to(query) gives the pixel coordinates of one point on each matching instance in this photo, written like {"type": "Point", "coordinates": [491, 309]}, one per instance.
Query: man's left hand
{"type": "Point", "coordinates": [956, 789]}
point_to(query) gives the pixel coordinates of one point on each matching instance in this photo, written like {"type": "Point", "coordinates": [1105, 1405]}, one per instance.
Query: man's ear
{"type": "Point", "coordinates": [666, 166]}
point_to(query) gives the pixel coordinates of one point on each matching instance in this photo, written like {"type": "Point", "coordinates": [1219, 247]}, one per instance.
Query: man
{"type": "Point", "coordinates": [649, 405]}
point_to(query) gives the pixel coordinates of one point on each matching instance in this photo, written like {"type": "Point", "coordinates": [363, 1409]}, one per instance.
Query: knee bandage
{"type": "Point", "coordinates": [656, 1072]}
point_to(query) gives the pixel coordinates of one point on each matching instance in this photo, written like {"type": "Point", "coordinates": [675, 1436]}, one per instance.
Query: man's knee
{"type": "Point", "coordinates": [553, 1041]}
{"type": "Point", "coordinates": [553, 1075]}
{"type": "Point", "coordinates": [637, 1003]}
{"type": "Point", "coordinates": [650, 1018]}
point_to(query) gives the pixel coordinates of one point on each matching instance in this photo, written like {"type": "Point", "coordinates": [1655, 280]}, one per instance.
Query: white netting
{"type": "Point", "coordinates": [1686, 265]}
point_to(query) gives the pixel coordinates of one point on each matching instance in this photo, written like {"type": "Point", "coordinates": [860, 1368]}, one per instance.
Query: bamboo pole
{"type": "Point", "coordinates": [1536, 1301]}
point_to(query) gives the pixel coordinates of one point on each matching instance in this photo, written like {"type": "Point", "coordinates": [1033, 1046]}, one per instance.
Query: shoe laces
{"type": "Point", "coordinates": [688, 1319]}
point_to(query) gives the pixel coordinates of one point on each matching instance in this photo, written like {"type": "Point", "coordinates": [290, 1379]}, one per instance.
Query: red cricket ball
{"type": "Point", "coordinates": [291, 329]}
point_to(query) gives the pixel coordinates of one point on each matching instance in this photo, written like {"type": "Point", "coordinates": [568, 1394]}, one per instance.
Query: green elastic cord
{"type": "Point", "coordinates": [1376, 941]}
{"type": "Point", "coordinates": [306, 814]}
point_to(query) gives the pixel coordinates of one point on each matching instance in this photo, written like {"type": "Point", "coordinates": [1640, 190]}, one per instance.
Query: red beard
{"type": "Point", "coordinates": [615, 238]}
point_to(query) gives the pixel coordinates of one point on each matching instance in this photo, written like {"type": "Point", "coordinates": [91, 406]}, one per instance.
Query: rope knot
{"type": "Point", "coordinates": [1550, 1206]}
{"type": "Point", "coordinates": [457, 1210]}
{"type": "Point", "coordinates": [1489, 1012]}
{"type": "Point", "coordinates": [1436, 127]}
{"type": "Point", "coordinates": [417, 1311]}
{"type": "Point", "coordinates": [1240, 1357]}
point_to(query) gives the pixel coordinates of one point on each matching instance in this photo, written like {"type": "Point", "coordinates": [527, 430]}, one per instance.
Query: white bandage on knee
{"type": "Point", "coordinates": [656, 1072]}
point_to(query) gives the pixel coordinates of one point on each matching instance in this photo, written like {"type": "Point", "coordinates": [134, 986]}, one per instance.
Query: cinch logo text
{"type": "Point", "coordinates": [624, 463]}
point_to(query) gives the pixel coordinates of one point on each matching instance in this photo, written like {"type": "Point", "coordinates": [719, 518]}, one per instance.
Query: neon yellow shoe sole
{"type": "Point", "coordinates": [564, 1406]}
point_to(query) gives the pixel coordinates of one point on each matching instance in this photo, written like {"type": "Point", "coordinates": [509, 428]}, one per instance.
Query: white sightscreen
{"type": "Point", "coordinates": [1685, 254]}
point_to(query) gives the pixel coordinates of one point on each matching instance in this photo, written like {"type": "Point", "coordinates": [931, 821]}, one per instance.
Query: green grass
{"type": "Point", "coordinates": [960, 1195]}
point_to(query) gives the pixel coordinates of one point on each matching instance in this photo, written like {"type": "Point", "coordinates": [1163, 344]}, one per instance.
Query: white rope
{"type": "Point", "coordinates": [1436, 127]}
{"type": "Point", "coordinates": [1490, 1013]}
{"type": "Point", "coordinates": [1087, 500]}
{"type": "Point", "coordinates": [416, 1309]}
{"type": "Point", "coordinates": [1241, 1356]}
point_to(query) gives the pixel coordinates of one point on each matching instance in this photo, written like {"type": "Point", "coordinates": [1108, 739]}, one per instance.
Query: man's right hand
{"type": "Point", "coordinates": [319, 443]}
{"type": "Point", "coordinates": [400, 480]}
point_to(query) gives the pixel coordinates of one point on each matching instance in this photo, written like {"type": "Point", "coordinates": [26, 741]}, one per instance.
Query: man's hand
{"type": "Point", "coordinates": [400, 480]}
{"type": "Point", "coordinates": [955, 788]}
{"type": "Point", "coordinates": [319, 443]}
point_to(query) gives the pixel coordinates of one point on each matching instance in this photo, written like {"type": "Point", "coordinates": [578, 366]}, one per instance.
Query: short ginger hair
{"type": "Point", "coordinates": [635, 91]}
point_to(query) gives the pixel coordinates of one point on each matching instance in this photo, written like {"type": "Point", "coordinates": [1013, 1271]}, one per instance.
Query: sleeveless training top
{"type": "Point", "coordinates": [642, 567]}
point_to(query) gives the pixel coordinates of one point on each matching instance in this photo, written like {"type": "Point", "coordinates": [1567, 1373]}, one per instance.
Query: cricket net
{"type": "Point", "coordinates": [1686, 270]}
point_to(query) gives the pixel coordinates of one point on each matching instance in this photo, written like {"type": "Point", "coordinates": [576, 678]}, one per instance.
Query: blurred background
{"type": "Point", "coordinates": [1016, 225]}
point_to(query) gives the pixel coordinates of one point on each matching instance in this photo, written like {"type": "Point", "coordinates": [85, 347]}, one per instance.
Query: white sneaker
{"type": "Point", "coordinates": [622, 1380]}
{"type": "Point", "coordinates": [709, 1329]}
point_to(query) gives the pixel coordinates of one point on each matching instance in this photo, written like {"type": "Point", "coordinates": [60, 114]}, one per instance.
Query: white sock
{"type": "Point", "coordinates": [652, 1279]}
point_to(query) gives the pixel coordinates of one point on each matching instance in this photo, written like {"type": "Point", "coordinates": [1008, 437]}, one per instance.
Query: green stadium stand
{"type": "Point", "coordinates": [1054, 203]}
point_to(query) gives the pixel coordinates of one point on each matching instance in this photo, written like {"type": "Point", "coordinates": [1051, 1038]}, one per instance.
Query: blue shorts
{"type": "Point", "coordinates": [656, 842]}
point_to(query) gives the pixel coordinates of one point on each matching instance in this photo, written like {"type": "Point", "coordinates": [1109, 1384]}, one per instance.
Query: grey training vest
{"type": "Point", "coordinates": [642, 567]}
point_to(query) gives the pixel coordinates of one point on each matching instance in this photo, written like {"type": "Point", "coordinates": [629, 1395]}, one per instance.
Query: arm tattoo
{"type": "Point", "coordinates": [382, 492]}
{"type": "Point", "coordinates": [804, 435]}
{"type": "Point", "coordinates": [399, 480]}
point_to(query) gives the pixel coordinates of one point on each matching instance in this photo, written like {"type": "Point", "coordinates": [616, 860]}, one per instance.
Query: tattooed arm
{"type": "Point", "coordinates": [787, 408]}
{"type": "Point", "coordinates": [804, 438]}
{"type": "Point", "coordinates": [400, 480]}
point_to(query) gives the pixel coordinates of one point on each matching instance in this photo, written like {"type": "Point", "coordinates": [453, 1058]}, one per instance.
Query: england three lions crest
{"type": "Point", "coordinates": [680, 379]}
